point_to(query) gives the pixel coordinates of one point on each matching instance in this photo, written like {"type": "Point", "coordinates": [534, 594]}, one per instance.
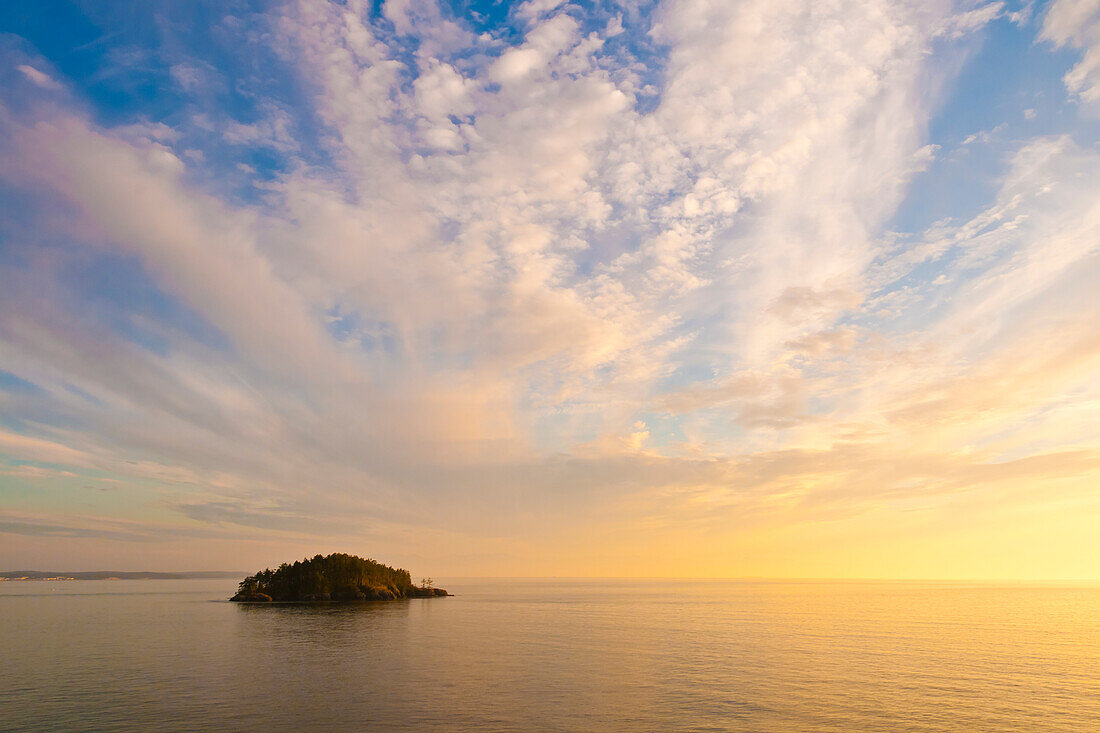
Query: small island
{"type": "Point", "coordinates": [335, 577]}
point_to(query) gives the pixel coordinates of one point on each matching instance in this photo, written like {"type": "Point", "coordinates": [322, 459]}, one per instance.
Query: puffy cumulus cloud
{"type": "Point", "coordinates": [596, 281]}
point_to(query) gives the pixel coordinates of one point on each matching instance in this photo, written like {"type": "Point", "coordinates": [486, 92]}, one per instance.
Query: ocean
{"type": "Point", "coordinates": [555, 655]}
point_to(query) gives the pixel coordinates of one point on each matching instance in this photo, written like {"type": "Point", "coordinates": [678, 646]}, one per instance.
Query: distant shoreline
{"type": "Point", "coordinates": [40, 575]}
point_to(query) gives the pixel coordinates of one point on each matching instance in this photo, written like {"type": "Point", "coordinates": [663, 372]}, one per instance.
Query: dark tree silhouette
{"type": "Point", "coordinates": [336, 577]}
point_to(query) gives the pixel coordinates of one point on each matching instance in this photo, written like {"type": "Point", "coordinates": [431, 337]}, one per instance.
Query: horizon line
{"type": "Point", "coordinates": [755, 578]}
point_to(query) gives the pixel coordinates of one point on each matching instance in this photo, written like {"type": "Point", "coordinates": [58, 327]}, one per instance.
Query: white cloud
{"type": "Point", "coordinates": [39, 78]}
{"type": "Point", "coordinates": [1076, 23]}
{"type": "Point", "coordinates": [511, 266]}
{"type": "Point", "coordinates": [969, 21]}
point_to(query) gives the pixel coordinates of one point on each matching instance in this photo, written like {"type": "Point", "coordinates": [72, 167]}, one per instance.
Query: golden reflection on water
{"type": "Point", "coordinates": [559, 655]}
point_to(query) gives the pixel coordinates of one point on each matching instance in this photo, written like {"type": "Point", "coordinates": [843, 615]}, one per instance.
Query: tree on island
{"type": "Point", "coordinates": [335, 577]}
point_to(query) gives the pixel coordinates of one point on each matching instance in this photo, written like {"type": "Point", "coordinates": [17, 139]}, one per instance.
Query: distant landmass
{"type": "Point", "coordinates": [113, 575]}
{"type": "Point", "coordinates": [335, 577]}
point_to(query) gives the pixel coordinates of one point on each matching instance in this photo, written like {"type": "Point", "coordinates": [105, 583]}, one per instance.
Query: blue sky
{"type": "Point", "coordinates": [568, 288]}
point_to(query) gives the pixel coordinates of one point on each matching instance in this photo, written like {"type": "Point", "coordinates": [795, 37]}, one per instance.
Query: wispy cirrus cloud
{"type": "Point", "coordinates": [562, 274]}
{"type": "Point", "coordinates": [1076, 23]}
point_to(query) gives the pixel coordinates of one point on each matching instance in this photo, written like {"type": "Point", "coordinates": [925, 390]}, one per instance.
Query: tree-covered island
{"type": "Point", "coordinates": [335, 577]}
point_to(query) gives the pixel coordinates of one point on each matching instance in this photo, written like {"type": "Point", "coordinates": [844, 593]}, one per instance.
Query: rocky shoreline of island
{"type": "Point", "coordinates": [335, 578]}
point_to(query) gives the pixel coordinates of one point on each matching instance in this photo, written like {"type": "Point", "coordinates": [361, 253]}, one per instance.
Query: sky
{"type": "Point", "coordinates": [700, 288]}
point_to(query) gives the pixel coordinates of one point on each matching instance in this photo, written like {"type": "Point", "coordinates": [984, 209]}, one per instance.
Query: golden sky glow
{"type": "Point", "coordinates": [705, 289]}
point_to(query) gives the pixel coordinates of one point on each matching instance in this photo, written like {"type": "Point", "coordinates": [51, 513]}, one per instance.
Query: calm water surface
{"type": "Point", "coordinates": [555, 655]}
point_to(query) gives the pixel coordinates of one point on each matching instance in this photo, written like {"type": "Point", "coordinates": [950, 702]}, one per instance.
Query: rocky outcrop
{"type": "Point", "coordinates": [427, 592]}
{"type": "Point", "coordinates": [350, 593]}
